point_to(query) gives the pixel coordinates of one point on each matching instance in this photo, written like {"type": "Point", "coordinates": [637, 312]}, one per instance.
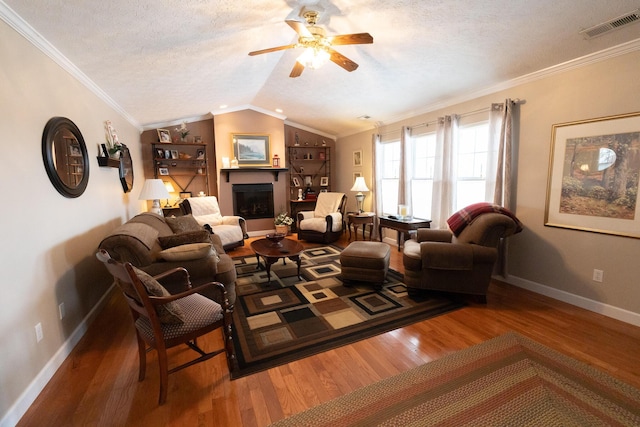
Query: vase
{"type": "Point", "coordinates": [282, 229]}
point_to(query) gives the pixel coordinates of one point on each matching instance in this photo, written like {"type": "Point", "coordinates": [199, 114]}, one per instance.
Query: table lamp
{"type": "Point", "coordinates": [170, 190]}
{"type": "Point", "coordinates": [359, 186]}
{"type": "Point", "coordinates": [155, 190]}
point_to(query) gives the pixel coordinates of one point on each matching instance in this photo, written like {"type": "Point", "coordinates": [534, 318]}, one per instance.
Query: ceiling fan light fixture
{"type": "Point", "coordinates": [314, 57]}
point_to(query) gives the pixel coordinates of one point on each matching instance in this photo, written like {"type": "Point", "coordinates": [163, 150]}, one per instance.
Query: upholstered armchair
{"type": "Point", "coordinates": [459, 260]}
{"type": "Point", "coordinates": [325, 223]}
{"type": "Point", "coordinates": [231, 229]}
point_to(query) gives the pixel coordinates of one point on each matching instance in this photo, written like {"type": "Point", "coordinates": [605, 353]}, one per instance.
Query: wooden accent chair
{"type": "Point", "coordinates": [459, 260]}
{"type": "Point", "coordinates": [163, 320]}
{"type": "Point", "coordinates": [326, 222]}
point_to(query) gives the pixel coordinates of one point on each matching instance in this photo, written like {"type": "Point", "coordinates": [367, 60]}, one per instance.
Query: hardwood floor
{"type": "Point", "coordinates": [97, 385]}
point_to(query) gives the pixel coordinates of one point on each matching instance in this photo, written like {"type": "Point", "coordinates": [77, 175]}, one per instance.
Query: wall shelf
{"type": "Point", "coordinates": [276, 171]}
{"type": "Point", "coordinates": [108, 161]}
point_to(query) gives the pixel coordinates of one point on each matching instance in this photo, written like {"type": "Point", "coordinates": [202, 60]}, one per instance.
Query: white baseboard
{"type": "Point", "coordinates": [29, 395]}
{"type": "Point", "coordinates": [582, 302]}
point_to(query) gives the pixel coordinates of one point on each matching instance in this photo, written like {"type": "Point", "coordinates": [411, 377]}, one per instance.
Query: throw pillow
{"type": "Point", "coordinates": [201, 236]}
{"type": "Point", "coordinates": [170, 313]}
{"type": "Point", "coordinates": [182, 224]}
{"type": "Point", "coordinates": [188, 252]}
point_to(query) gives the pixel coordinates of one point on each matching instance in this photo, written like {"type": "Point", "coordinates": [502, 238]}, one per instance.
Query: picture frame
{"type": "Point", "coordinates": [324, 181]}
{"type": "Point", "coordinates": [357, 158]}
{"type": "Point", "coordinates": [308, 181]}
{"type": "Point", "coordinates": [163, 171]}
{"type": "Point", "coordinates": [295, 181]}
{"type": "Point", "coordinates": [594, 174]}
{"type": "Point", "coordinates": [174, 154]}
{"type": "Point", "coordinates": [167, 154]}
{"type": "Point", "coordinates": [164, 136]}
{"type": "Point", "coordinates": [251, 149]}
{"type": "Point", "coordinates": [197, 139]}
{"type": "Point", "coordinates": [185, 194]}
{"type": "Point", "coordinates": [200, 154]}
{"type": "Point", "coordinates": [356, 175]}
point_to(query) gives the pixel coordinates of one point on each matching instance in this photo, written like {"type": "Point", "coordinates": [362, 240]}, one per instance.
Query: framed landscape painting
{"type": "Point", "coordinates": [251, 150]}
{"type": "Point", "coordinates": [594, 170]}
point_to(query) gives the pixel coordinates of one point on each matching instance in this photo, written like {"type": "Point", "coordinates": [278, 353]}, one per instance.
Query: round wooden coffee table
{"type": "Point", "coordinates": [272, 253]}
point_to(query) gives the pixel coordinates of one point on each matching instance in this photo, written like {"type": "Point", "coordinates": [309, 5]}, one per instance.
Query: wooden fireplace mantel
{"type": "Point", "coordinates": [276, 171]}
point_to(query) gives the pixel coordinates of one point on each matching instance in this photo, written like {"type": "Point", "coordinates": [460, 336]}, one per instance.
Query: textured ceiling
{"type": "Point", "coordinates": [167, 60]}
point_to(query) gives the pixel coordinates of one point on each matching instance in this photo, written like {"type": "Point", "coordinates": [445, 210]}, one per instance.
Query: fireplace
{"type": "Point", "coordinates": [253, 201]}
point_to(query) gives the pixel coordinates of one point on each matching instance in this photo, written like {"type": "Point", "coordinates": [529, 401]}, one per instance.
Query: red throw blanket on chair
{"type": "Point", "coordinates": [459, 220]}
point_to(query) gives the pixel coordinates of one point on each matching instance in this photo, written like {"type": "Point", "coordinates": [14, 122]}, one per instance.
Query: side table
{"type": "Point", "coordinates": [363, 218]}
{"type": "Point", "coordinates": [402, 226]}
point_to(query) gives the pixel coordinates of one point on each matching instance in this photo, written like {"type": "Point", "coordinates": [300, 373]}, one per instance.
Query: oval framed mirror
{"type": "Point", "coordinates": [65, 157]}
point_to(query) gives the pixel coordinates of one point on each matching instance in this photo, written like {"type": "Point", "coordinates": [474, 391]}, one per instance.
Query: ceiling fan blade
{"type": "Point", "coordinates": [299, 27]}
{"type": "Point", "coordinates": [358, 38]}
{"type": "Point", "coordinates": [298, 68]}
{"type": "Point", "coordinates": [271, 49]}
{"type": "Point", "coordinates": [342, 61]}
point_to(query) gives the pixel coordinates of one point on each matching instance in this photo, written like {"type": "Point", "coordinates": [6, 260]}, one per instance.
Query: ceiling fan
{"type": "Point", "coordinates": [318, 47]}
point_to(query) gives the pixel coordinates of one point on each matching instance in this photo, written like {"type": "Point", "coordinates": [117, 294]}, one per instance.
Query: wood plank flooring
{"type": "Point", "coordinates": [97, 385]}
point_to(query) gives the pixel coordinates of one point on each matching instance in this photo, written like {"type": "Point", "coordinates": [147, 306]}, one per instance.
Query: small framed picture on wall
{"type": "Point", "coordinates": [163, 171]}
{"type": "Point", "coordinates": [357, 158]}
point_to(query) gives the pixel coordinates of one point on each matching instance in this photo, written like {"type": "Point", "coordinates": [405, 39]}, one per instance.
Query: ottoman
{"type": "Point", "coordinates": [365, 262]}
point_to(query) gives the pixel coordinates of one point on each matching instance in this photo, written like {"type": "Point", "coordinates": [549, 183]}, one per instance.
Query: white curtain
{"type": "Point", "coordinates": [502, 158]}
{"type": "Point", "coordinates": [445, 174]}
{"type": "Point", "coordinates": [501, 122]}
{"type": "Point", "coordinates": [406, 168]}
{"type": "Point", "coordinates": [377, 174]}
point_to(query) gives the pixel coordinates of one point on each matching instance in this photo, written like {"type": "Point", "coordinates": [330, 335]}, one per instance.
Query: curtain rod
{"type": "Point", "coordinates": [433, 122]}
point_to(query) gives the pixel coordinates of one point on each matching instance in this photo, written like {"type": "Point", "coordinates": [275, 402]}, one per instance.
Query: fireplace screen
{"type": "Point", "coordinates": [253, 201]}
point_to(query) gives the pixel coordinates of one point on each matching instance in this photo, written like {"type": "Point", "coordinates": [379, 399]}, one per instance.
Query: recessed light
{"type": "Point", "coordinates": [278, 110]}
{"type": "Point", "coordinates": [223, 106]}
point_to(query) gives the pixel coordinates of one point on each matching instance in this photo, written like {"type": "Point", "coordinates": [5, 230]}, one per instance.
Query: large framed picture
{"type": "Point", "coordinates": [594, 169]}
{"type": "Point", "coordinates": [251, 150]}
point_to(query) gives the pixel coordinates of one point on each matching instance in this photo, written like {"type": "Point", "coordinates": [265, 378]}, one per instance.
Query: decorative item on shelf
{"type": "Point", "coordinates": [164, 136]}
{"type": "Point", "coordinates": [184, 132]}
{"type": "Point", "coordinates": [299, 193]}
{"type": "Point", "coordinates": [155, 190]}
{"type": "Point", "coordinates": [234, 163]}
{"type": "Point", "coordinates": [324, 181]}
{"type": "Point", "coordinates": [360, 185]}
{"type": "Point", "coordinates": [276, 161]}
{"type": "Point", "coordinates": [275, 239]}
{"type": "Point", "coordinates": [321, 155]}
{"type": "Point", "coordinates": [201, 194]}
{"type": "Point", "coordinates": [197, 139]}
{"type": "Point", "coordinates": [310, 194]}
{"type": "Point", "coordinates": [226, 164]}
{"type": "Point", "coordinates": [297, 138]}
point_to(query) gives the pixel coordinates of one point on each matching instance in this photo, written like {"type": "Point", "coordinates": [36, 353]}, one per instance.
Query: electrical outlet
{"type": "Point", "coordinates": [598, 275]}
{"type": "Point", "coordinates": [61, 311]}
{"type": "Point", "coordinates": [39, 334]}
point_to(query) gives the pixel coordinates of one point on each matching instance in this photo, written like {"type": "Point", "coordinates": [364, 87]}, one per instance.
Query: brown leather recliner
{"type": "Point", "coordinates": [438, 260]}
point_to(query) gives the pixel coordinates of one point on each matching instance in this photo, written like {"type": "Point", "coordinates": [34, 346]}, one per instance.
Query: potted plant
{"type": "Point", "coordinates": [282, 222]}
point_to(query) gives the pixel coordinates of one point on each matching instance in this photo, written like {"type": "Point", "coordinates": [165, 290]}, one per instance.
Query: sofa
{"type": "Point", "coordinates": [156, 244]}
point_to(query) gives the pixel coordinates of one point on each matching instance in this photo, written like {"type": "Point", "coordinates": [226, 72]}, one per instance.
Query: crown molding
{"type": "Point", "coordinates": [583, 61]}
{"type": "Point", "coordinates": [21, 26]}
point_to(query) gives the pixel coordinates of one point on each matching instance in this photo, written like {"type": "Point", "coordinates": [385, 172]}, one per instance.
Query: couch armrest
{"type": "Point", "coordinates": [455, 256]}
{"type": "Point", "coordinates": [430, 235]}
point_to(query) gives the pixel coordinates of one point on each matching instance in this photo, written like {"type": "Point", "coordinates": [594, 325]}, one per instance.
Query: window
{"type": "Point", "coordinates": [473, 145]}
{"type": "Point", "coordinates": [390, 153]}
{"type": "Point", "coordinates": [424, 157]}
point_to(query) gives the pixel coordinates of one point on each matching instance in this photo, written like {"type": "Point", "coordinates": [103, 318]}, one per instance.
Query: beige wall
{"type": "Point", "coordinates": [249, 122]}
{"type": "Point", "coordinates": [49, 241]}
{"type": "Point", "coordinates": [555, 261]}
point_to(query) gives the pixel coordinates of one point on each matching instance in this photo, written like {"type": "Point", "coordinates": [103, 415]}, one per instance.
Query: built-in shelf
{"type": "Point", "coordinates": [108, 161]}
{"type": "Point", "coordinates": [276, 171]}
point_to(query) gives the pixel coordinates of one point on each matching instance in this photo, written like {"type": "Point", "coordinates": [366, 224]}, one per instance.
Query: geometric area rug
{"type": "Point", "coordinates": [289, 318]}
{"type": "Point", "coordinates": [506, 381]}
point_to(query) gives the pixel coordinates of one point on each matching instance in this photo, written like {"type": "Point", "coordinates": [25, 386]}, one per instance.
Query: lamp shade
{"type": "Point", "coordinates": [169, 187]}
{"type": "Point", "coordinates": [153, 189]}
{"type": "Point", "coordinates": [359, 185]}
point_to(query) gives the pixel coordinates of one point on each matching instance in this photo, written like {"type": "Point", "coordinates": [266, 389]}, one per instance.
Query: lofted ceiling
{"type": "Point", "coordinates": [163, 61]}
